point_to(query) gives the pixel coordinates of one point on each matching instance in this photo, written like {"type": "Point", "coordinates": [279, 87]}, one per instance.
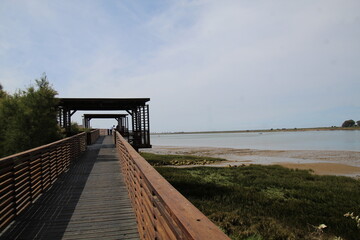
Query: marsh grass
{"type": "Point", "coordinates": [178, 160]}
{"type": "Point", "coordinates": [270, 202]}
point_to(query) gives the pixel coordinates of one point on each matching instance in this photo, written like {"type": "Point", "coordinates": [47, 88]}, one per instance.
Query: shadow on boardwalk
{"type": "Point", "coordinates": [87, 202]}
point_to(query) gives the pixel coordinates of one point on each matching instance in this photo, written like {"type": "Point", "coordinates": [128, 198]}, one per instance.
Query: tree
{"type": "Point", "coordinates": [358, 123]}
{"type": "Point", "coordinates": [28, 118]}
{"type": "Point", "coordinates": [348, 123]}
{"type": "Point", "coordinates": [2, 93]}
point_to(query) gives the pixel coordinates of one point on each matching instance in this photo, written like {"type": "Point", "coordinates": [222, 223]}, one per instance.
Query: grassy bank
{"type": "Point", "coordinates": [271, 202]}
{"type": "Point", "coordinates": [178, 160]}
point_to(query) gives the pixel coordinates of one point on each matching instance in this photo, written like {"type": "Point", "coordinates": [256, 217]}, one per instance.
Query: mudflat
{"type": "Point", "coordinates": [346, 163]}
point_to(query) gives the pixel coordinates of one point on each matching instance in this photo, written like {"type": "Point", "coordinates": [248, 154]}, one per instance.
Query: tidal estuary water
{"type": "Point", "coordinates": [334, 152]}
{"type": "Point", "coordinates": [301, 140]}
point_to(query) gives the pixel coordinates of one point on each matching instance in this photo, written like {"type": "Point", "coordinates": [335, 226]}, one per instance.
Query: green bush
{"type": "Point", "coordinates": [348, 123]}
{"type": "Point", "coordinates": [178, 160]}
{"type": "Point", "coordinates": [28, 118]}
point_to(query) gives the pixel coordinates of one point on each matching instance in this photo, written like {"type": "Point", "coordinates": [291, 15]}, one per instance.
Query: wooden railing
{"type": "Point", "coordinates": [161, 211]}
{"type": "Point", "coordinates": [24, 176]}
{"type": "Point", "coordinates": [92, 136]}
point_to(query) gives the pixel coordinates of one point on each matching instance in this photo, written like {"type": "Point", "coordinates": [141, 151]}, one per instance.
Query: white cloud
{"type": "Point", "coordinates": [205, 64]}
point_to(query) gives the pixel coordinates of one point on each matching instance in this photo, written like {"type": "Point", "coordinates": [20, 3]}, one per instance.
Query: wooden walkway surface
{"type": "Point", "coordinates": [90, 201]}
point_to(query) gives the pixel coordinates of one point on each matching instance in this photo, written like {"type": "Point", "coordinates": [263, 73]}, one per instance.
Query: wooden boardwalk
{"type": "Point", "coordinates": [90, 201]}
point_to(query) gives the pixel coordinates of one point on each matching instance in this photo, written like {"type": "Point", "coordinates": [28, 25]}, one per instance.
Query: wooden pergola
{"type": "Point", "coordinates": [139, 134]}
{"type": "Point", "coordinates": [123, 121]}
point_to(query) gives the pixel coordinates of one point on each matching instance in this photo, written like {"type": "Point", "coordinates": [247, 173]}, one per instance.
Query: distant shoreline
{"type": "Point", "coordinates": [267, 130]}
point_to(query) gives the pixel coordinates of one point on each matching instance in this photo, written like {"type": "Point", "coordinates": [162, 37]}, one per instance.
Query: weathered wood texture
{"type": "Point", "coordinates": [104, 132]}
{"type": "Point", "coordinates": [89, 201]}
{"type": "Point", "coordinates": [161, 211]}
{"type": "Point", "coordinates": [92, 136]}
{"type": "Point", "coordinates": [26, 175]}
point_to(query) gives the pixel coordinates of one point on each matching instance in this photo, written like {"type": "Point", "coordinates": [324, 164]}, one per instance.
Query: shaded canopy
{"type": "Point", "coordinates": [138, 137]}
{"type": "Point", "coordinates": [102, 103]}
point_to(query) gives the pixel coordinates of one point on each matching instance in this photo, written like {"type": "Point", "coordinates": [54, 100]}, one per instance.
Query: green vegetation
{"type": "Point", "coordinates": [271, 202]}
{"type": "Point", "coordinates": [355, 218]}
{"type": "Point", "coordinates": [177, 160]}
{"type": "Point", "coordinates": [349, 123]}
{"type": "Point", "coordinates": [28, 118]}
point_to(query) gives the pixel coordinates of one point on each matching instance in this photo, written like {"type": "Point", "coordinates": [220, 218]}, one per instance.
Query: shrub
{"type": "Point", "coordinates": [348, 123]}
{"type": "Point", "coordinates": [28, 118]}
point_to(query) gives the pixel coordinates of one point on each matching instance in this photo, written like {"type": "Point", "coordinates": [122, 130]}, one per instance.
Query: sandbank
{"type": "Point", "coordinates": [345, 163]}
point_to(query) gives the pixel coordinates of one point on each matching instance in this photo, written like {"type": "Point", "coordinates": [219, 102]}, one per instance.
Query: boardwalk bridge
{"type": "Point", "coordinates": [91, 186]}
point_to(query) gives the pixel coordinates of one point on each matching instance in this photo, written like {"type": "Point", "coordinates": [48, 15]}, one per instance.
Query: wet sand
{"type": "Point", "coordinates": [327, 168]}
{"type": "Point", "coordinates": [345, 163]}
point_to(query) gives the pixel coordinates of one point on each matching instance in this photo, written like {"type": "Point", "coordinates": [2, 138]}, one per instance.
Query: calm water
{"type": "Point", "coordinates": [310, 140]}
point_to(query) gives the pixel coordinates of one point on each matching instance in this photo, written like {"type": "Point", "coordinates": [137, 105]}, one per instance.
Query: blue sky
{"type": "Point", "coordinates": [206, 65]}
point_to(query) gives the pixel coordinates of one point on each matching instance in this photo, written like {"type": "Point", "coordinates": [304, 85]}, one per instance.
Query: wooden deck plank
{"type": "Point", "coordinates": [89, 201]}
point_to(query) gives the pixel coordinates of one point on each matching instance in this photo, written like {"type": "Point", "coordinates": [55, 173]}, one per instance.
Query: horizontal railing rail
{"type": "Point", "coordinates": [92, 136]}
{"type": "Point", "coordinates": [161, 211]}
{"type": "Point", "coordinates": [25, 176]}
